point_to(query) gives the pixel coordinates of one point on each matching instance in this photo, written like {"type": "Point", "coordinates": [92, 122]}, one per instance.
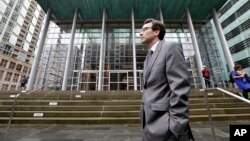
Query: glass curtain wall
{"type": "Point", "coordinates": [87, 45]}
{"type": "Point", "coordinates": [84, 59]}
{"type": "Point", "coordinates": [180, 33]}
{"type": "Point", "coordinates": [210, 55]}
{"type": "Point", "coordinates": [53, 59]}
{"type": "Point", "coordinates": [118, 58]}
{"type": "Point", "coordinates": [117, 73]}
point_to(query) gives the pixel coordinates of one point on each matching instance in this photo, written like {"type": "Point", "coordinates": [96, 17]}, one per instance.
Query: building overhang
{"type": "Point", "coordinates": [92, 10]}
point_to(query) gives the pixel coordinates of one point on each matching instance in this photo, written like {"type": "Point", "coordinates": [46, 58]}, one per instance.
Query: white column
{"type": "Point", "coordinates": [44, 81]}
{"type": "Point", "coordinates": [134, 50]}
{"type": "Point", "coordinates": [161, 16]}
{"type": "Point", "coordinates": [101, 61]}
{"type": "Point", "coordinates": [68, 61]}
{"type": "Point", "coordinates": [34, 69]}
{"type": "Point", "coordinates": [196, 48]}
{"type": "Point", "coordinates": [223, 41]}
{"type": "Point", "coordinates": [84, 51]}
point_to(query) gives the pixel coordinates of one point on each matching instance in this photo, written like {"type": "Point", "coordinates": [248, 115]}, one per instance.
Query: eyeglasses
{"type": "Point", "coordinates": [145, 28]}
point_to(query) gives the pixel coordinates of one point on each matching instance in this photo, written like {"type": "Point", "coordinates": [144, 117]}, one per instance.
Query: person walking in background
{"type": "Point", "coordinates": [206, 74]}
{"type": "Point", "coordinates": [24, 80]}
{"type": "Point", "coordinates": [164, 113]}
{"type": "Point", "coordinates": [241, 80]}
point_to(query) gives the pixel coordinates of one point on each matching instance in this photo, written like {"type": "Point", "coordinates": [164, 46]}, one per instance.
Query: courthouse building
{"type": "Point", "coordinates": [95, 45]}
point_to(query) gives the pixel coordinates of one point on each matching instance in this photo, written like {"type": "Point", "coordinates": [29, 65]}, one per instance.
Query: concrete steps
{"type": "Point", "coordinates": [75, 120]}
{"type": "Point", "coordinates": [121, 107]}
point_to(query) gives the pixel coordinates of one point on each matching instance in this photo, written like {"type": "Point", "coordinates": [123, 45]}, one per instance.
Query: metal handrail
{"type": "Point", "coordinates": [208, 108]}
{"type": "Point", "coordinates": [233, 95]}
{"type": "Point", "coordinates": [214, 82]}
{"type": "Point", "coordinates": [40, 88]}
{"type": "Point", "coordinates": [14, 104]}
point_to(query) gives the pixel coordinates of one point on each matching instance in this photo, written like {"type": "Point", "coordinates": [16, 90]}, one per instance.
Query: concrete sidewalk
{"type": "Point", "coordinates": [49, 132]}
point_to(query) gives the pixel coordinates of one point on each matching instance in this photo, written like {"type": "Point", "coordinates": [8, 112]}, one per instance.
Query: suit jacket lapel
{"type": "Point", "coordinates": [145, 67]}
{"type": "Point", "coordinates": [149, 65]}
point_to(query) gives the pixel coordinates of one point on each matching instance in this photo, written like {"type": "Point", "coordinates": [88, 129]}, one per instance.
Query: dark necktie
{"type": "Point", "coordinates": [150, 53]}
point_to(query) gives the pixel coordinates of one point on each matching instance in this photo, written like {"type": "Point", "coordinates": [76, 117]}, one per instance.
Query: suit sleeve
{"type": "Point", "coordinates": [178, 79]}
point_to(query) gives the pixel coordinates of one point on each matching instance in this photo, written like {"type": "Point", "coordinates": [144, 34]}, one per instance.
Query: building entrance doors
{"type": "Point", "coordinates": [111, 80]}
{"type": "Point", "coordinates": [88, 80]}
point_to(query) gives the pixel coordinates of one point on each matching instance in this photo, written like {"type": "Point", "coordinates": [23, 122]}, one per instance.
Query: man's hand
{"type": "Point", "coordinates": [175, 136]}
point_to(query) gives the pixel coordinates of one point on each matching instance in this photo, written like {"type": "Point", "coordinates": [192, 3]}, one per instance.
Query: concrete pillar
{"type": "Point", "coordinates": [34, 69]}
{"type": "Point", "coordinates": [44, 81]}
{"type": "Point", "coordinates": [68, 61]}
{"type": "Point", "coordinates": [161, 16]}
{"type": "Point", "coordinates": [223, 41]}
{"type": "Point", "coordinates": [102, 60]}
{"type": "Point", "coordinates": [134, 50]}
{"type": "Point", "coordinates": [196, 47]}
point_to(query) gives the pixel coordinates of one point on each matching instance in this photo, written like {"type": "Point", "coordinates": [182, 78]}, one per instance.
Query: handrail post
{"type": "Point", "coordinates": [209, 112]}
{"type": "Point", "coordinates": [12, 113]}
{"type": "Point", "coordinates": [14, 106]}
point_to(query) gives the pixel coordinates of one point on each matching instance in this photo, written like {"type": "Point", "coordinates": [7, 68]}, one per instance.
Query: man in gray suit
{"type": "Point", "coordinates": [164, 110]}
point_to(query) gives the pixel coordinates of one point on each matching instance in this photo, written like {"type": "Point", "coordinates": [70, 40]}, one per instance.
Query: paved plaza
{"type": "Point", "coordinates": [52, 132]}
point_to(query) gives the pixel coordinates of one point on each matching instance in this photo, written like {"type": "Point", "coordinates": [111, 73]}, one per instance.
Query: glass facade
{"type": "Point", "coordinates": [117, 62]}
{"type": "Point", "coordinates": [235, 21]}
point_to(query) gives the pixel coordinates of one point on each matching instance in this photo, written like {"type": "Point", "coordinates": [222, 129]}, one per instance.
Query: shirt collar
{"type": "Point", "coordinates": [154, 46]}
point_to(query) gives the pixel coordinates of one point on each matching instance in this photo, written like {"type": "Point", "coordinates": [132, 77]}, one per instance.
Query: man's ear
{"type": "Point", "coordinates": [157, 32]}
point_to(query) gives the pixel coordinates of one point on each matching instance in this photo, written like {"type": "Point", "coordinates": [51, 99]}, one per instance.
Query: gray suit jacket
{"type": "Point", "coordinates": [164, 108]}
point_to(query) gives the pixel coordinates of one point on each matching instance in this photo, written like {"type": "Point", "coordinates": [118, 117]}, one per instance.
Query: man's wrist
{"type": "Point", "coordinates": [176, 135]}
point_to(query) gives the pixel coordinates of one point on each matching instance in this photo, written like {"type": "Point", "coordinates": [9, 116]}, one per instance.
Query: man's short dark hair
{"type": "Point", "coordinates": [157, 25]}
